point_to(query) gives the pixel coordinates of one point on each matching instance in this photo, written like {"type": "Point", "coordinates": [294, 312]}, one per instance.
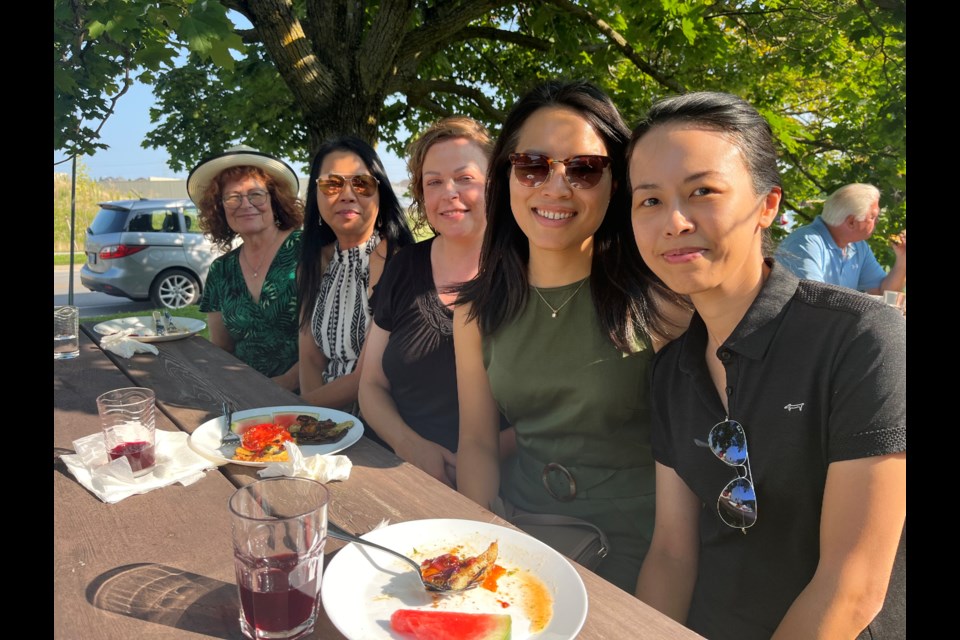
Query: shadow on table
{"type": "Point", "coordinates": [169, 596]}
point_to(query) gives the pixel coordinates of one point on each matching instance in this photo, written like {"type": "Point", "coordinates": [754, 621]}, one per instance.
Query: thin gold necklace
{"type": "Point", "coordinates": [557, 310]}
{"type": "Point", "coordinates": [256, 272]}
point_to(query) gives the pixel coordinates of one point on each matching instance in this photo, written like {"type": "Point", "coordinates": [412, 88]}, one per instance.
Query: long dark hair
{"type": "Point", "coordinates": [620, 282]}
{"type": "Point", "coordinates": [391, 223]}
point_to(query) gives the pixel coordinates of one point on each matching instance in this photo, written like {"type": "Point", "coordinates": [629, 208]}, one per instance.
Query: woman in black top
{"type": "Point", "coordinates": [408, 388]}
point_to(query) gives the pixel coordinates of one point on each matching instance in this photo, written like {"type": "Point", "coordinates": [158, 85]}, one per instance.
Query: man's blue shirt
{"type": "Point", "coordinates": [811, 253]}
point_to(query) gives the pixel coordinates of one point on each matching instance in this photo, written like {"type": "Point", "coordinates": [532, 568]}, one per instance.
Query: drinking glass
{"type": "Point", "coordinates": [896, 299]}
{"type": "Point", "coordinates": [279, 530]}
{"type": "Point", "coordinates": [66, 341]}
{"type": "Point", "coordinates": [128, 417]}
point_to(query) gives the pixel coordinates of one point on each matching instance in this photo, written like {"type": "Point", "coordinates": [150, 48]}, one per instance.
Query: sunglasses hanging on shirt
{"type": "Point", "coordinates": [737, 504]}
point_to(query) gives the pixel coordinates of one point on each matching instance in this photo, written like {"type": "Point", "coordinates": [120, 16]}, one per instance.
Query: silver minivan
{"type": "Point", "coordinates": [148, 250]}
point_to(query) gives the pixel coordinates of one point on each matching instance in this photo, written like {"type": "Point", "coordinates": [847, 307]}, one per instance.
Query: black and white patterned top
{"type": "Point", "coordinates": [342, 312]}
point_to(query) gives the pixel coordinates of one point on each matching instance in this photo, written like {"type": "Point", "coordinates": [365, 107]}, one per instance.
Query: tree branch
{"type": "Point", "coordinates": [313, 85]}
{"type": "Point", "coordinates": [442, 25]}
{"type": "Point", "coordinates": [619, 41]}
{"type": "Point", "coordinates": [502, 35]}
{"type": "Point", "coordinates": [799, 167]}
{"type": "Point", "coordinates": [417, 91]}
{"type": "Point", "coordinates": [249, 36]}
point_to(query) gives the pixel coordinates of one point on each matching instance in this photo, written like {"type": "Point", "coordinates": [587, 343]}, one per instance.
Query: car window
{"type": "Point", "coordinates": [192, 219]}
{"type": "Point", "coordinates": [160, 220]}
{"type": "Point", "coordinates": [108, 221]}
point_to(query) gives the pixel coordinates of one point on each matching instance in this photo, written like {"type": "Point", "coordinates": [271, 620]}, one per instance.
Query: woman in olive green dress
{"type": "Point", "coordinates": [250, 296]}
{"type": "Point", "coordinates": [555, 330]}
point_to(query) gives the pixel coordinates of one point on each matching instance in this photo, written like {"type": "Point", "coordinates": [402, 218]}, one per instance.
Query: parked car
{"type": "Point", "coordinates": [148, 250]}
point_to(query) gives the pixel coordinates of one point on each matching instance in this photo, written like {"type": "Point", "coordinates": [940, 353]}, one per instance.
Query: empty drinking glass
{"type": "Point", "coordinates": [66, 340]}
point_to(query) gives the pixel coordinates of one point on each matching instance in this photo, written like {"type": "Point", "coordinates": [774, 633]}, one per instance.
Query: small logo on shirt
{"type": "Point", "coordinates": [791, 407]}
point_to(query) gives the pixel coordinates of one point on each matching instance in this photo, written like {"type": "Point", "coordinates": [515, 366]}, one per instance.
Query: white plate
{"type": "Point", "coordinates": [206, 438]}
{"type": "Point", "coordinates": [362, 587]}
{"type": "Point", "coordinates": [143, 326]}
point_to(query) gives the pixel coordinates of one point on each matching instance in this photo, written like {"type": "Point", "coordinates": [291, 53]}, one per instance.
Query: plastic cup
{"type": "Point", "coordinates": [66, 332]}
{"type": "Point", "coordinates": [128, 418]}
{"type": "Point", "coordinates": [279, 530]}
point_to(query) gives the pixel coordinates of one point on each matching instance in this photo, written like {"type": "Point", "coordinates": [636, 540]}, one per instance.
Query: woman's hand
{"type": "Point", "coordinates": [438, 461]}
{"type": "Point", "coordinates": [290, 380]}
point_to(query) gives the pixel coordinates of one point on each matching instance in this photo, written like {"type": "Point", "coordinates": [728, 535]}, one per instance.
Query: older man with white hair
{"type": "Point", "coordinates": [833, 248]}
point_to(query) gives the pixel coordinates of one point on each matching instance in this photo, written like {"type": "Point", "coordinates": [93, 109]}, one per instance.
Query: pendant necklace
{"type": "Point", "coordinates": [557, 310]}
{"type": "Point", "coordinates": [256, 272]}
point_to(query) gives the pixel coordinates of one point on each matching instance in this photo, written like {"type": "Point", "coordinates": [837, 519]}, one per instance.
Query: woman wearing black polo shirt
{"type": "Point", "coordinates": [779, 418]}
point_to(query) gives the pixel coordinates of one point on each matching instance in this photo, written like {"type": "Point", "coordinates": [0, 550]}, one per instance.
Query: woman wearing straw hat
{"type": "Point", "coordinates": [250, 296]}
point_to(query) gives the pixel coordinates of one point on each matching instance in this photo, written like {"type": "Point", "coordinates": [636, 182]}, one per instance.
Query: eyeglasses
{"type": "Point", "coordinates": [255, 198]}
{"type": "Point", "coordinates": [580, 172]}
{"type": "Point", "coordinates": [737, 505]}
{"type": "Point", "coordinates": [364, 186]}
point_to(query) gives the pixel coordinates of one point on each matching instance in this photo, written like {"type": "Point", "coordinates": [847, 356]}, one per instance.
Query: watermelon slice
{"type": "Point", "coordinates": [451, 625]}
{"type": "Point", "coordinates": [239, 426]}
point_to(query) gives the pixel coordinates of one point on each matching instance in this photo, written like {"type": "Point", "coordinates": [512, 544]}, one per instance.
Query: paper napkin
{"type": "Point", "coordinates": [319, 467]}
{"type": "Point", "coordinates": [114, 481]}
{"type": "Point", "coordinates": [124, 346]}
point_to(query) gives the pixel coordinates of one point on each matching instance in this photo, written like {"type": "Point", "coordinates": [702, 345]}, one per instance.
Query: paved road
{"type": "Point", "coordinates": [89, 302]}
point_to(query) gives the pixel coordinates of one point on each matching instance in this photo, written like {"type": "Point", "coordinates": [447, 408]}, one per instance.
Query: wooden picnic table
{"type": "Point", "coordinates": [160, 565]}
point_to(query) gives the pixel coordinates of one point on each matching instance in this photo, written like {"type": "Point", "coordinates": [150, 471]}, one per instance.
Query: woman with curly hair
{"type": "Point", "coordinates": [250, 295]}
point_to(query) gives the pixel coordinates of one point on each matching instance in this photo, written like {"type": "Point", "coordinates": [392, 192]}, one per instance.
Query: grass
{"type": "Point", "coordinates": [193, 311]}
{"type": "Point", "coordinates": [79, 259]}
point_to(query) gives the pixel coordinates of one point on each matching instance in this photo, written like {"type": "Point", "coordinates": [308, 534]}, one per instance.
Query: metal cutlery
{"type": "Point", "coordinates": [336, 532]}
{"type": "Point", "coordinates": [229, 441]}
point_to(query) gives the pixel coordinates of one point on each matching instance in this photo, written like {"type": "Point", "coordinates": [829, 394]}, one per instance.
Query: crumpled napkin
{"type": "Point", "coordinates": [112, 481]}
{"type": "Point", "coordinates": [319, 467]}
{"type": "Point", "coordinates": [124, 346]}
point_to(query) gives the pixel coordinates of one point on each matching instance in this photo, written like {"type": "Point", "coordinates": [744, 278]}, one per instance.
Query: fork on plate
{"type": "Point", "coordinates": [229, 441]}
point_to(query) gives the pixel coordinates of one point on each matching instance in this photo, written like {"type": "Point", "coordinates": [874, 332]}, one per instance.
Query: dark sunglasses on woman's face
{"type": "Point", "coordinates": [580, 172]}
{"type": "Point", "coordinates": [363, 185]}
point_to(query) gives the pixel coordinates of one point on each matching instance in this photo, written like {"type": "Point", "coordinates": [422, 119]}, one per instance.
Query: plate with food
{"type": "Point", "coordinates": [263, 431]}
{"type": "Point", "coordinates": [527, 591]}
{"type": "Point", "coordinates": [143, 329]}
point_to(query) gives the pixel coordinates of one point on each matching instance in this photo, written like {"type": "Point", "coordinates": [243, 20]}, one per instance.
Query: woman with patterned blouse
{"type": "Point", "coordinates": [354, 224]}
{"type": "Point", "coordinates": [250, 295]}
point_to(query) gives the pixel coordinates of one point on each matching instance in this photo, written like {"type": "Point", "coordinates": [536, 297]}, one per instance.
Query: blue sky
{"type": "Point", "coordinates": [125, 158]}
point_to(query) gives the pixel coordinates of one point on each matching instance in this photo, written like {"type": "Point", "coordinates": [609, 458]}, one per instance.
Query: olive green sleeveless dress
{"type": "Point", "coordinates": [576, 400]}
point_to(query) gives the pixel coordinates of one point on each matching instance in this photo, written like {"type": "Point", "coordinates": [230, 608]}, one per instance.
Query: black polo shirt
{"type": "Point", "coordinates": [815, 374]}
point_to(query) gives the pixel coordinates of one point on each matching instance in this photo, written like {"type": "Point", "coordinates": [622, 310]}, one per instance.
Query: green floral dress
{"type": "Point", "coordinates": [264, 334]}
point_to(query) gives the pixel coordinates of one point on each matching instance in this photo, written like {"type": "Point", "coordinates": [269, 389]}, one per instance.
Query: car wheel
{"type": "Point", "coordinates": [175, 289]}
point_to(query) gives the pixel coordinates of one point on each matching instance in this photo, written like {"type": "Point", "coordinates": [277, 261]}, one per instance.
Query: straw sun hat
{"type": "Point", "coordinates": [240, 156]}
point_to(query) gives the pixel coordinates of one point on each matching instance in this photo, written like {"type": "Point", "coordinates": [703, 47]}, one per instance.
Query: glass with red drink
{"type": "Point", "coordinates": [279, 530]}
{"type": "Point", "coordinates": [128, 418]}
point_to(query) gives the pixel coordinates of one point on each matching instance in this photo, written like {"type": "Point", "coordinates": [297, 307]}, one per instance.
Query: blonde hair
{"type": "Point", "coordinates": [849, 200]}
{"type": "Point", "coordinates": [448, 128]}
